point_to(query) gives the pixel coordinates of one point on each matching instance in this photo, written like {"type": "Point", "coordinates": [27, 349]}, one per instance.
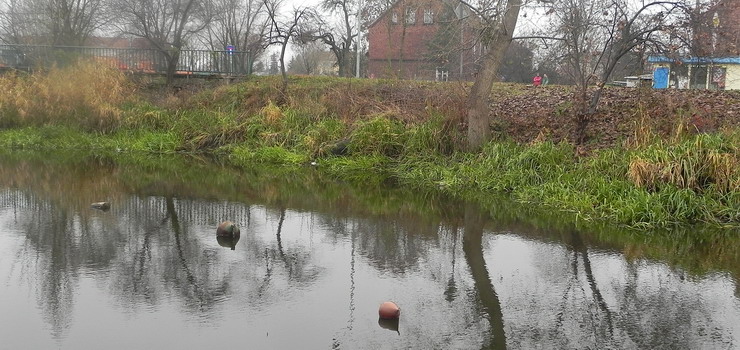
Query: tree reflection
{"type": "Point", "coordinates": [580, 251]}
{"type": "Point", "coordinates": [451, 290]}
{"type": "Point", "coordinates": [196, 295]}
{"type": "Point", "coordinates": [473, 248]}
{"type": "Point", "coordinates": [159, 243]}
{"type": "Point", "coordinates": [61, 244]}
{"type": "Point", "coordinates": [58, 283]}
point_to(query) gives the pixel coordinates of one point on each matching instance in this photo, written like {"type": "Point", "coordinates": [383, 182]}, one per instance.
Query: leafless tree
{"type": "Point", "coordinates": [14, 22]}
{"type": "Point", "coordinates": [373, 9]}
{"type": "Point", "coordinates": [339, 38]}
{"type": "Point", "coordinates": [55, 22]}
{"type": "Point", "coordinates": [71, 22]}
{"type": "Point", "coordinates": [241, 23]}
{"type": "Point", "coordinates": [282, 30]}
{"type": "Point", "coordinates": [596, 35]}
{"type": "Point", "coordinates": [166, 24]}
{"type": "Point", "coordinates": [307, 59]}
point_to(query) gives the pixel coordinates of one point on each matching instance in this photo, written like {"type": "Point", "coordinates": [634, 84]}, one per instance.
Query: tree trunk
{"type": "Point", "coordinates": [172, 57]}
{"type": "Point", "coordinates": [582, 115]}
{"type": "Point", "coordinates": [284, 85]}
{"type": "Point", "coordinates": [478, 102]}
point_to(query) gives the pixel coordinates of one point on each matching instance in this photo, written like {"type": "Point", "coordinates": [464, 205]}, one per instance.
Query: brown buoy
{"type": "Point", "coordinates": [227, 234]}
{"type": "Point", "coordinates": [227, 229]}
{"type": "Point", "coordinates": [389, 310]}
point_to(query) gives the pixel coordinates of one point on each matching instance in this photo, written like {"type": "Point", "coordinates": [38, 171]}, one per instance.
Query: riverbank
{"type": "Point", "coordinates": [644, 167]}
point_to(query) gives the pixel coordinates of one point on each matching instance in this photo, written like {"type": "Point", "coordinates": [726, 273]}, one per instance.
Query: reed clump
{"type": "Point", "coordinates": [379, 136]}
{"type": "Point", "coordinates": [706, 162]}
{"type": "Point", "coordinates": [271, 113]}
{"type": "Point", "coordinates": [86, 94]}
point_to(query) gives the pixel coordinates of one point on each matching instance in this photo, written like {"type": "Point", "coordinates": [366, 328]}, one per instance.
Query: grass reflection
{"type": "Point", "coordinates": [158, 240]}
{"type": "Point", "coordinates": [72, 182]}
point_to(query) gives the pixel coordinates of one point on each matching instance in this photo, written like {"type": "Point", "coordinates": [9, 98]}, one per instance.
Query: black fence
{"type": "Point", "coordinates": [149, 61]}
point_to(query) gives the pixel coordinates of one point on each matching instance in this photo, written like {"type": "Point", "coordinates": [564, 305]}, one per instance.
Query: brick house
{"type": "Point", "coordinates": [423, 39]}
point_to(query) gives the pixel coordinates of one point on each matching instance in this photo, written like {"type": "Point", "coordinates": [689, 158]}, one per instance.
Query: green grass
{"type": "Point", "coordinates": [654, 183]}
{"type": "Point", "coordinates": [595, 189]}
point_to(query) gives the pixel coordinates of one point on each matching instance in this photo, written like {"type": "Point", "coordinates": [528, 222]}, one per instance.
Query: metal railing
{"type": "Point", "coordinates": [149, 61]}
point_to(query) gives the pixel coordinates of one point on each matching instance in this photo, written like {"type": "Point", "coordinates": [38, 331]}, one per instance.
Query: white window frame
{"type": "Point", "coordinates": [428, 16]}
{"type": "Point", "coordinates": [410, 15]}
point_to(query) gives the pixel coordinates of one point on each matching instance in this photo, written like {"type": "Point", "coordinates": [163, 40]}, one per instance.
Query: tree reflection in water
{"type": "Point", "coordinates": [518, 286]}
{"type": "Point", "coordinates": [473, 248]}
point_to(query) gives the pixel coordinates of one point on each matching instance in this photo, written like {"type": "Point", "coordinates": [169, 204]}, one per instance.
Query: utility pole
{"type": "Point", "coordinates": [460, 14]}
{"type": "Point", "coordinates": [359, 34]}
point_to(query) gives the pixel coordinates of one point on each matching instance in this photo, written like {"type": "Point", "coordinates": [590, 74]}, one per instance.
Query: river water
{"type": "Point", "coordinates": [316, 258]}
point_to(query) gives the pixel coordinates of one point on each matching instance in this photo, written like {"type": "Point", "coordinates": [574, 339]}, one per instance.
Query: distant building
{"type": "Point", "coordinates": [423, 39]}
{"type": "Point", "coordinates": [713, 73]}
{"type": "Point", "coordinates": [715, 58]}
{"type": "Point", "coordinates": [326, 64]}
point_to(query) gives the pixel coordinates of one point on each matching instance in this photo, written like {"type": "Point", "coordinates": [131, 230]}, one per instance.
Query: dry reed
{"type": "Point", "coordinates": [86, 94]}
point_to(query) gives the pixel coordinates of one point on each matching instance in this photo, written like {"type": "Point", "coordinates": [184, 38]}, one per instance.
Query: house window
{"type": "Point", "coordinates": [394, 17]}
{"type": "Point", "coordinates": [428, 16]}
{"type": "Point", "coordinates": [410, 16]}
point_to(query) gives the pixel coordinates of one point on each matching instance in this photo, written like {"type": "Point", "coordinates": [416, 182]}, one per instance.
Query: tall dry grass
{"type": "Point", "coordinates": [697, 164]}
{"type": "Point", "coordinates": [86, 94]}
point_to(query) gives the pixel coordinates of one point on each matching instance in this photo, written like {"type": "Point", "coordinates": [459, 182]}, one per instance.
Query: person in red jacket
{"type": "Point", "coordinates": [537, 80]}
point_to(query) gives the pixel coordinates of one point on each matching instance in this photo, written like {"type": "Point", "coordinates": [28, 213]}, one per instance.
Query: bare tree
{"type": "Point", "coordinates": [241, 23]}
{"type": "Point", "coordinates": [15, 22]}
{"type": "Point", "coordinates": [166, 24]}
{"type": "Point", "coordinates": [597, 35]}
{"type": "Point", "coordinates": [340, 38]}
{"type": "Point", "coordinates": [282, 30]}
{"type": "Point", "coordinates": [307, 59]}
{"type": "Point", "coordinates": [71, 22]}
{"type": "Point", "coordinates": [55, 22]}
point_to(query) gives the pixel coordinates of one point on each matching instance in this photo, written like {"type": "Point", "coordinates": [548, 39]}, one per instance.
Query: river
{"type": "Point", "coordinates": [316, 258]}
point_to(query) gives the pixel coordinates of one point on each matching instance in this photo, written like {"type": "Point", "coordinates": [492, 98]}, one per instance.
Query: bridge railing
{"type": "Point", "coordinates": [151, 61]}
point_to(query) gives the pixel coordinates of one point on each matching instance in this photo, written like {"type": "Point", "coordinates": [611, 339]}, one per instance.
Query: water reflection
{"type": "Point", "coordinates": [389, 324]}
{"type": "Point", "coordinates": [488, 299]}
{"type": "Point", "coordinates": [227, 242]}
{"type": "Point", "coordinates": [315, 259]}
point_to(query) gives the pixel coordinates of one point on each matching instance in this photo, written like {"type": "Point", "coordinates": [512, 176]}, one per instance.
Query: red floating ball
{"type": "Point", "coordinates": [389, 310]}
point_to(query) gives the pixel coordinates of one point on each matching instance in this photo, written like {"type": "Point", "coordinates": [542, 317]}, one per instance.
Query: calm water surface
{"type": "Point", "coordinates": [316, 258]}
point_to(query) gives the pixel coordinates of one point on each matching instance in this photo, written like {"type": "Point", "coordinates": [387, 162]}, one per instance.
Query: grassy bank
{"type": "Point", "coordinates": [409, 133]}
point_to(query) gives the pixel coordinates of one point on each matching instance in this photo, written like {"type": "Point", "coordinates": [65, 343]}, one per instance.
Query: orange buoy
{"type": "Point", "coordinates": [389, 310]}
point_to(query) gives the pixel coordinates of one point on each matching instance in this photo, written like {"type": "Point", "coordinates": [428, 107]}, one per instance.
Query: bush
{"type": "Point", "coordinates": [378, 136]}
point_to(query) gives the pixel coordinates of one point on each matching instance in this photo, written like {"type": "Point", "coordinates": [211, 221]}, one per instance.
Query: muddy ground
{"type": "Point", "coordinates": [548, 112]}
